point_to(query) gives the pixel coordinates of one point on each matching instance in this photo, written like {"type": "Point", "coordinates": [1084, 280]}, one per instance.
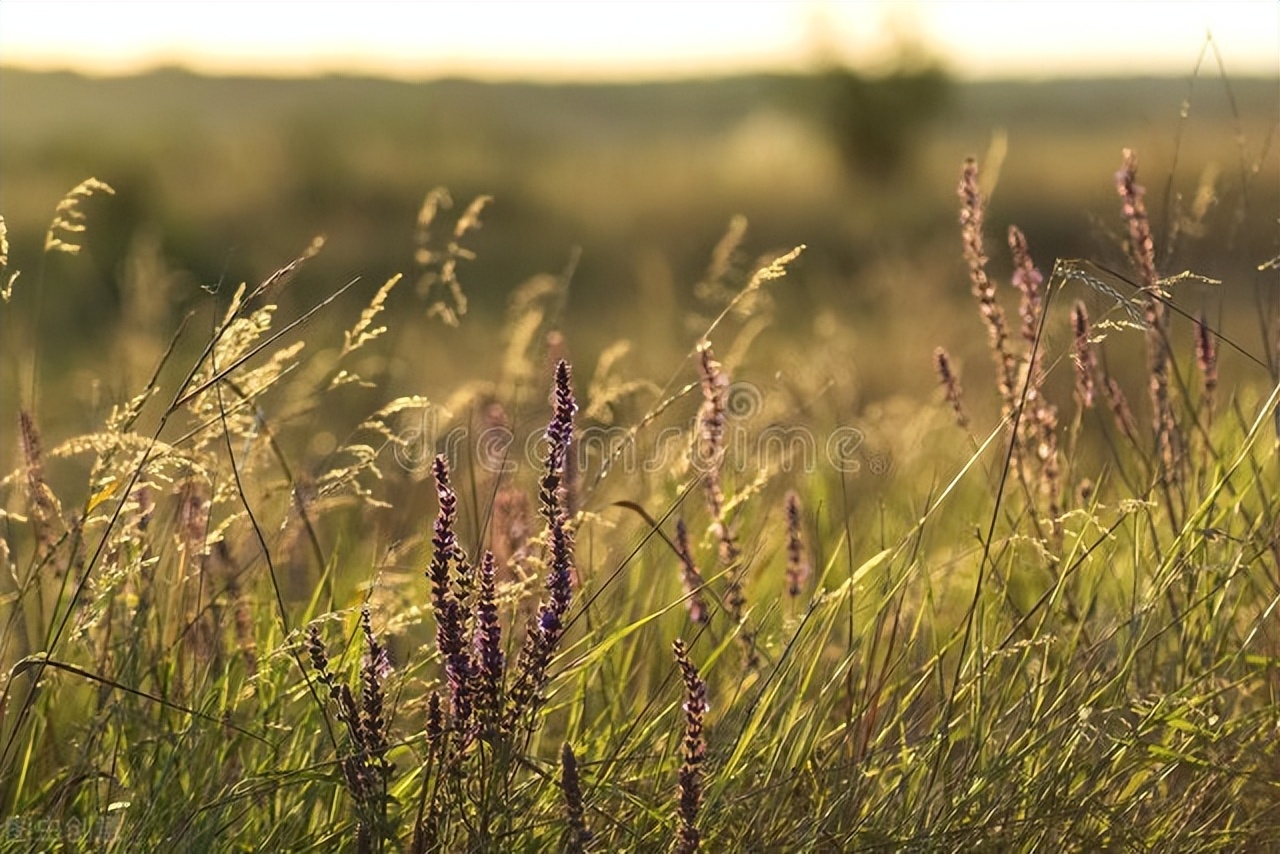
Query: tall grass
{"type": "Point", "coordinates": [220, 633]}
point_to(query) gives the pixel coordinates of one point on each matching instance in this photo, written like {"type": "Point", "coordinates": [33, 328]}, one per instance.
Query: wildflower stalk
{"type": "Point", "coordinates": [447, 562]}
{"type": "Point", "coordinates": [489, 656]}
{"type": "Point", "coordinates": [1141, 250]}
{"type": "Point", "coordinates": [1207, 362]}
{"type": "Point", "coordinates": [709, 456]}
{"type": "Point", "coordinates": [1086, 362]}
{"type": "Point", "coordinates": [797, 561]}
{"type": "Point", "coordinates": [950, 386]}
{"type": "Point", "coordinates": [578, 836]}
{"type": "Point", "coordinates": [689, 575]}
{"type": "Point", "coordinates": [693, 752]}
{"type": "Point", "coordinates": [972, 215]}
{"type": "Point", "coordinates": [547, 627]}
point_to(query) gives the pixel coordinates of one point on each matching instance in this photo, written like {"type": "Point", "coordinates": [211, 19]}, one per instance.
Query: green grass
{"type": "Point", "coordinates": [1070, 647]}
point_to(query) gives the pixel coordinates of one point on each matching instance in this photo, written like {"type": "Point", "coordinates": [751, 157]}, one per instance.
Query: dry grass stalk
{"type": "Point", "coordinates": [6, 278]}
{"type": "Point", "coordinates": [45, 510]}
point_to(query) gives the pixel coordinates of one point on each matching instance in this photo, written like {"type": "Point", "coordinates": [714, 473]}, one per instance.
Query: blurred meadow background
{"type": "Point", "coordinates": [607, 204]}
{"type": "Point", "coordinates": [628, 184]}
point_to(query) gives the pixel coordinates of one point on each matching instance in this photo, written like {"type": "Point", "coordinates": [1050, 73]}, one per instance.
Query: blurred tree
{"type": "Point", "coordinates": [875, 120]}
{"type": "Point", "coordinates": [876, 111]}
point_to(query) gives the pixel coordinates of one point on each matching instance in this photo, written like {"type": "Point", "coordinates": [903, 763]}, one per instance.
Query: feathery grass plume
{"type": "Point", "coordinates": [714, 287]}
{"type": "Point", "coordinates": [972, 215]}
{"type": "Point", "coordinates": [6, 278]}
{"type": "Point", "coordinates": [1207, 360]}
{"type": "Point", "coordinates": [68, 218]}
{"type": "Point", "coordinates": [439, 265]}
{"type": "Point", "coordinates": [693, 753]}
{"type": "Point", "coordinates": [527, 309]}
{"type": "Point", "coordinates": [689, 575]}
{"type": "Point", "coordinates": [45, 509]}
{"type": "Point", "coordinates": [1086, 361]}
{"type": "Point", "coordinates": [364, 332]}
{"type": "Point", "coordinates": [950, 385]}
{"type": "Point", "coordinates": [547, 626]}
{"type": "Point", "coordinates": [1141, 251]}
{"type": "Point", "coordinates": [797, 561]}
{"type": "Point", "coordinates": [364, 452]}
{"type": "Point", "coordinates": [577, 835]}
{"type": "Point", "coordinates": [489, 658]}
{"type": "Point", "coordinates": [448, 564]}
{"type": "Point", "coordinates": [607, 389]}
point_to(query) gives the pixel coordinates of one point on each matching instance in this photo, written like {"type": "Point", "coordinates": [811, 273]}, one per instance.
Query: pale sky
{"type": "Point", "coordinates": [559, 39]}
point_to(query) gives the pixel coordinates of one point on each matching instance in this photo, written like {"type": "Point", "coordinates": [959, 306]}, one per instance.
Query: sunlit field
{"type": "Point", "coordinates": [703, 469]}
